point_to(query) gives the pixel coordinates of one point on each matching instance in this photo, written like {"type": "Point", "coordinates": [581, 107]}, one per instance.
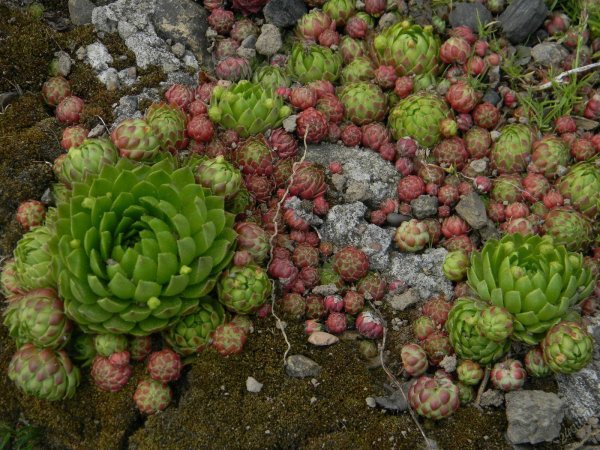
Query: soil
{"type": "Point", "coordinates": [212, 408]}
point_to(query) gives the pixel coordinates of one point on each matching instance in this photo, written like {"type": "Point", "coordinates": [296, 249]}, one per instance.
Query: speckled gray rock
{"type": "Point", "coordinates": [345, 225]}
{"type": "Point", "coordinates": [533, 416]}
{"type": "Point", "coordinates": [548, 54]}
{"type": "Point", "coordinates": [522, 18]}
{"type": "Point", "coordinates": [492, 398]}
{"type": "Point", "coordinates": [284, 13]}
{"type": "Point", "coordinates": [299, 366]}
{"type": "Point", "coordinates": [80, 11]}
{"type": "Point", "coordinates": [424, 206]}
{"type": "Point", "coordinates": [422, 271]}
{"type": "Point", "coordinates": [401, 301]}
{"type": "Point", "coordinates": [396, 401]}
{"type": "Point", "coordinates": [368, 177]}
{"type": "Point", "coordinates": [269, 42]}
{"type": "Point", "coordinates": [470, 15]}
{"type": "Point", "coordinates": [98, 57]}
{"type": "Point", "coordinates": [472, 209]}
{"type": "Point", "coordinates": [581, 390]}
{"type": "Point", "coordinates": [183, 21]}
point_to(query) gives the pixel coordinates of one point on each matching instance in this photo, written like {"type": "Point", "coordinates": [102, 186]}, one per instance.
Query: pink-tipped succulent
{"type": "Point", "coordinates": [111, 374]}
{"type": "Point", "coordinates": [200, 128]}
{"type": "Point", "coordinates": [351, 135]}
{"type": "Point", "coordinates": [469, 372]}
{"type": "Point", "coordinates": [221, 21]}
{"type": "Point", "coordinates": [455, 50]}
{"type": "Point", "coordinates": [535, 364]}
{"type": "Point", "coordinates": [164, 366]}
{"type": "Point", "coordinates": [309, 181]}
{"type": "Point", "coordinates": [434, 398]}
{"type": "Point", "coordinates": [423, 326]}
{"type": "Point", "coordinates": [336, 322]}
{"type": "Point", "coordinates": [369, 325]}
{"type": "Point", "coordinates": [303, 98]}
{"type": "Point", "coordinates": [437, 346]}
{"type": "Point", "coordinates": [312, 125]}
{"type": "Point", "coordinates": [73, 136]}
{"type": "Point", "coordinates": [385, 77]}
{"type": "Point", "coordinates": [351, 263]}
{"type": "Point", "coordinates": [152, 396]}
{"type": "Point", "coordinates": [412, 236]}
{"type": "Point", "coordinates": [409, 188]}
{"type": "Point", "coordinates": [374, 135]}
{"type": "Point", "coordinates": [228, 339]}
{"type": "Point", "coordinates": [283, 143]}
{"type": "Point", "coordinates": [69, 110]}
{"type": "Point", "coordinates": [508, 375]}
{"type": "Point", "coordinates": [462, 97]}
{"type": "Point", "coordinates": [332, 108]}
{"type": "Point", "coordinates": [31, 214]}
{"type": "Point", "coordinates": [414, 360]}
{"type": "Point", "coordinates": [293, 305]}
{"type": "Point", "coordinates": [55, 90]}
{"type": "Point", "coordinates": [140, 347]}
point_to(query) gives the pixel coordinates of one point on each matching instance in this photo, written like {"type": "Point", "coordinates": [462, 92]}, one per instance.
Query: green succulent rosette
{"type": "Point", "coordinates": [313, 62]}
{"type": "Point", "coordinates": [44, 373]}
{"type": "Point", "coordinates": [581, 186]}
{"type": "Point", "coordinates": [511, 152]}
{"type": "Point", "coordinates": [363, 102]}
{"type": "Point", "coordinates": [193, 332]}
{"type": "Point", "coordinates": [271, 77]}
{"type": "Point", "coordinates": [339, 10]}
{"type": "Point", "coordinates": [455, 265]}
{"type": "Point", "coordinates": [107, 344]}
{"type": "Point", "coordinates": [411, 49]}
{"type": "Point", "coordinates": [464, 335]}
{"type": "Point", "coordinates": [87, 159]}
{"type": "Point", "coordinates": [38, 318]}
{"type": "Point", "coordinates": [531, 277]}
{"type": "Point", "coordinates": [220, 176]}
{"type": "Point", "coordinates": [567, 348]}
{"type": "Point", "coordinates": [244, 289]}
{"type": "Point", "coordinates": [169, 125]}
{"type": "Point", "coordinates": [82, 349]}
{"type": "Point", "coordinates": [360, 69]}
{"type": "Point", "coordinates": [247, 108]}
{"type": "Point", "coordinates": [418, 116]}
{"type": "Point", "coordinates": [137, 246]}
{"type": "Point", "coordinates": [34, 259]}
{"type": "Point", "coordinates": [569, 227]}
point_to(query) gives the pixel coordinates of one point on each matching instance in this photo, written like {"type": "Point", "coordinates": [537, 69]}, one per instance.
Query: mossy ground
{"type": "Point", "coordinates": [212, 408]}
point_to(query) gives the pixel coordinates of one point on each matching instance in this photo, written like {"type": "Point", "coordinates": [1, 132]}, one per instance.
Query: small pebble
{"type": "Point", "coordinates": [371, 403]}
{"type": "Point", "coordinates": [321, 339]}
{"type": "Point", "coordinates": [178, 49]}
{"type": "Point", "coordinates": [252, 385]}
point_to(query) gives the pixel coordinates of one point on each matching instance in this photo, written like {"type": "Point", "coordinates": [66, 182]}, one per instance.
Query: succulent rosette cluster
{"type": "Point", "coordinates": [243, 289]}
{"type": "Point", "coordinates": [535, 280]}
{"type": "Point", "coordinates": [137, 246]}
{"type": "Point", "coordinates": [248, 108]}
{"type": "Point", "coordinates": [434, 398]}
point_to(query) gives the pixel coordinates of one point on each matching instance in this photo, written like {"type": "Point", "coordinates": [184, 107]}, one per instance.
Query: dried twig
{"type": "Point", "coordinates": [484, 382]}
{"type": "Point", "coordinates": [393, 379]}
{"type": "Point", "coordinates": [272, 238]}
{"type": "Point", "coordinates": [558, 79]}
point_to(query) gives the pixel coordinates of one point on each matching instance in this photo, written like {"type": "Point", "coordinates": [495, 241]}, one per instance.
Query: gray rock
{"type": "Point", "coordinates": [522, 18]}
{"type": "Point", "coordinates": [183, 21]}
{"type": "Point", "coordinates": [472, 209]}
{"type": "Point", "coordinates": [299, 366]}
{"type": "Point", "coordinates": [249, 42]}
{"type": "Point", "coordinates": [284, 13]}
{"type": "Point", "coordinates": [253, 385]}
{"type": "Point", "coordinates": [345, 225]}
{"type": "Point", "coordinates": [424, 206]}
{"type": "Point", "coordinates": [396, 401]}
{"type": "Point", "coordinates": [110, 78]}
{"type": "Point", "coordinates": [523, 55]}
{"type": "Point", "coordinates": [360, 166]}
{"type": "Point", "coordinates": [269, 42]}
{"type": "Point", "coordinates": [387, 20]}
{"type": "Point", "coordinates": [178, 49]}
{"type": "Point", "coordinates": [491, 96]}
{"type": "Point", "coordinates": [548, 54]}
{"type": "Point", "coordinates": [581, 390]}
{"type": "Point", "coordinates": [401, 301]}
{"type": "Point", "coordinates": [357, 191]}
{"type": "Point", "coordinates": [150, 50]}
{"type": "Point", "coordinates": [98, 57]}
{"type": "Point", "coordinates": [489, 231]}
{"type": "Point", "coordinates": [422, 271]}
{"type": "Point", "coordinates": [533, 416]}
{"type": "Point", "coordinates": [64, 63]}
{"type": "Point", "coordinates": [492, 398]}
{"type": "Point", "coordinates": [395, 219]}
{"type": "Point", "coordinates": [303, 209]}
{"type": "Point", "coordinates": [470, 15]}
{"type": "Point", "coordinates": [80, 11]}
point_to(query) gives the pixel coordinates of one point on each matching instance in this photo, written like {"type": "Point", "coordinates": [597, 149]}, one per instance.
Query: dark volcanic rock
{"type": "Point", "coordinates": [522, 18]}
{"type": "Point", "coordinates": [470, 15]}
{"type": "Point", "coordinates": [284, 13]}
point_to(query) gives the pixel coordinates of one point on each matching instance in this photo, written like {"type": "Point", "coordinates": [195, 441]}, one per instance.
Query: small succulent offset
{"type": "Point", "coordinates": [247, 107]}
{"type": "Point", "coordinates": [533, 279]}
{"type": "Point", "coordinates": [137, 246]}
